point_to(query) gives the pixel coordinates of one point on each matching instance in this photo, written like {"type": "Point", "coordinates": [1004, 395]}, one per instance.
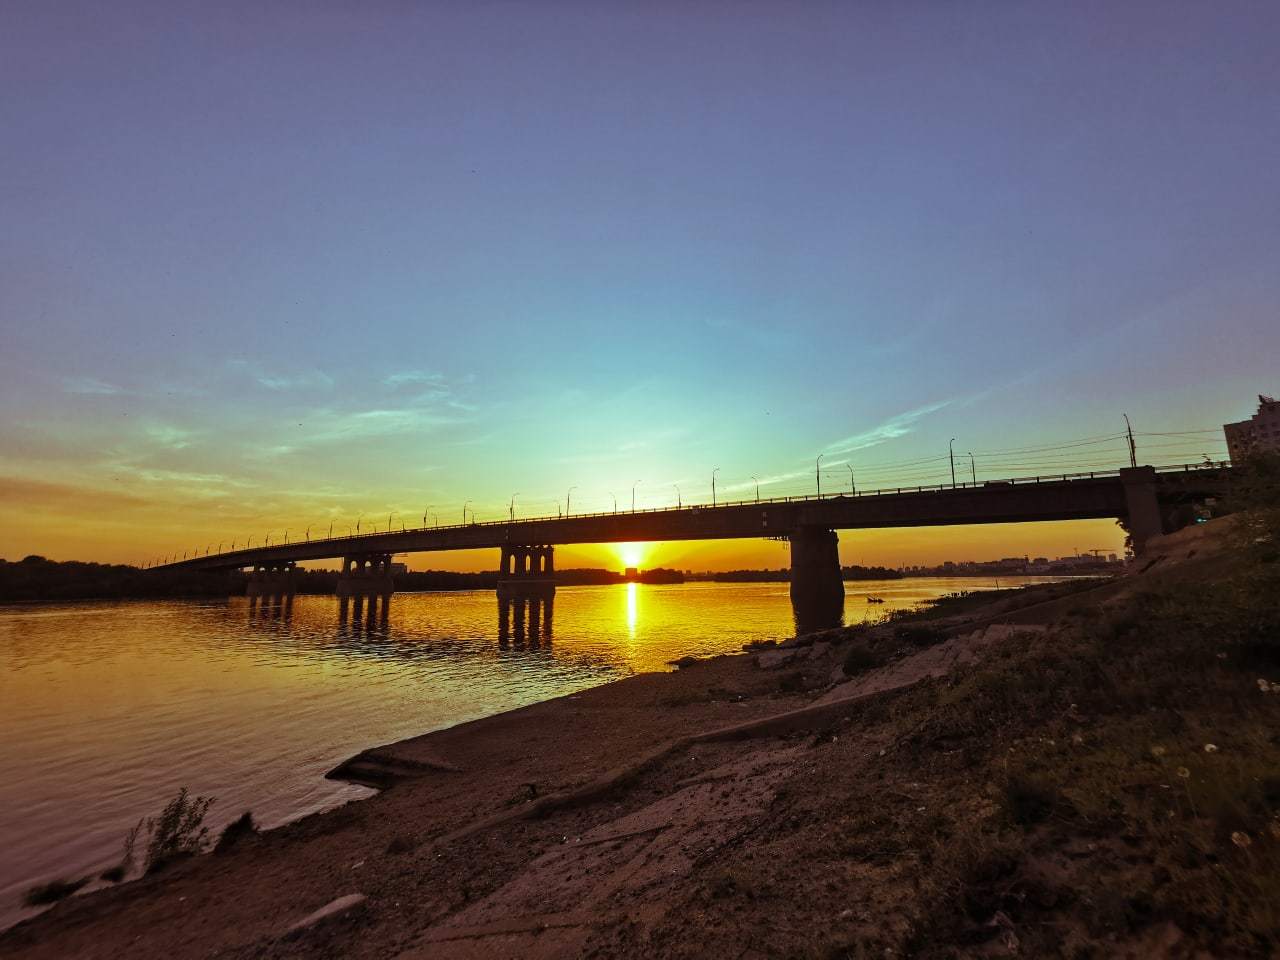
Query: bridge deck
{"type": "Point", "coordinates": [1064, 497]}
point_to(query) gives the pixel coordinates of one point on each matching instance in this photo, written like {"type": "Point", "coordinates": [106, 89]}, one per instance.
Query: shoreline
{"type": "Point", "coordinates": [722, 807]}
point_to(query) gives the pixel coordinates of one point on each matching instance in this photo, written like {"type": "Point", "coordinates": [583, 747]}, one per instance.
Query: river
{"type": "Point", "coordinates": [108, 708]}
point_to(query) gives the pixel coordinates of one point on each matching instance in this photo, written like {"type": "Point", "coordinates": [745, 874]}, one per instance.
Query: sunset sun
{"type": "Point", "coordinates": [632, 554]}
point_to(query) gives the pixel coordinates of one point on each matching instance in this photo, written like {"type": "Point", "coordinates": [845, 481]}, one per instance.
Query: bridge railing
{"type": "Point", "coordinates": [761, 501]}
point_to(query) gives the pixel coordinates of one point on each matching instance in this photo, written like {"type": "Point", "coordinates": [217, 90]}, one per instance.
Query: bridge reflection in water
{"type": "Point", "coordinates": [525, 621]}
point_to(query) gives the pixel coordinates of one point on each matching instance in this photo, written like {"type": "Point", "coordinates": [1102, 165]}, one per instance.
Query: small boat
{"type": "Point", "coordinates": [875, 599]}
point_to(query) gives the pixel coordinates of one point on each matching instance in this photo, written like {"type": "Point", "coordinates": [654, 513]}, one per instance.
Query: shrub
{"type": "Point", "coordinates": [179, 831]}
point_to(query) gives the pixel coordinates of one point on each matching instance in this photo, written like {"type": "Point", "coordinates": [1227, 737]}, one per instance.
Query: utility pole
{"type": "Point", "coordinates": [952, 453]}
{"type": "Point", "coordinates": [1133, 451]}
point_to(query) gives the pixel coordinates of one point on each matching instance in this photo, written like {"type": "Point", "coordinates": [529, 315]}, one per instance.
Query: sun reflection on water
{"type": "Point", "coordinates": [631, 609]}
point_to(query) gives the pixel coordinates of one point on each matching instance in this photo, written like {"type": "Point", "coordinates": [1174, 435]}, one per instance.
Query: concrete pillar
{"type": "Point", "coordinates": [817, 585]}
{"type": "Point", "coordinates": [550, 567]}
{"type": "Point", "coordinates": [1142, 520]}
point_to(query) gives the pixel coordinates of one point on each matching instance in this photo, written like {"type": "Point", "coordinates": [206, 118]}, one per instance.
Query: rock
{"type": "Point", "coordinates": [772, 659]}
{"type": "Point", "coordinates": [684, 662]}
{"type": "Point", "coordinates": [342, 907]}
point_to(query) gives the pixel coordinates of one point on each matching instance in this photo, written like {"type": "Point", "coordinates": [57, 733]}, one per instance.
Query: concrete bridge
{"type": "Point", "coordinates": [1146, 500]}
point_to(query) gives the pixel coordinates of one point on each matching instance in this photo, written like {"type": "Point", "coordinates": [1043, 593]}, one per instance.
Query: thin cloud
{"type": "Point", "coordinates": [405, 377]}
{"type": "Point", "coordinates": [891, 429]}
{"type": "Point", "coordinates": [90, 387]}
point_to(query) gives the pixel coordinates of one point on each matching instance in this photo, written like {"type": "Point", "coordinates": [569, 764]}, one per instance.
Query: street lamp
{"type": "Point", "coordinates": [330, 529]}
{"type": "Point", "coordinates": [952, 453]}
{"type": "Point", "coordinates": [286, 536]}
{"type": "Point", "coordinates": [817, 472]}
{"type": "Point", "coordinates": [678, 504]}
{"type": "Point", "coordinates": [308, 533]}
{"type": "Point", "coordinates": [713, 485]}
{"type": "Point", "coordinates": [511, 510]}
{"type": "Point", "coordinates": [615, 501]}
{"type": "Point", "coordinates": [424, 514]}
{"type": "Point", "coordinates": [757, 480]}
{"type": "Point", "coordinates": [852, 488]}
{"type": "Point", "coordinates": [973, 469]}
{"type": "Point", "coordinates": [566, 499]}
{"type": "Point", "coordinates": [358, 519]}
{"type": "Point", "coordinates": [464, 513]}
{"type": "Point", "coordinates": [633, 495]}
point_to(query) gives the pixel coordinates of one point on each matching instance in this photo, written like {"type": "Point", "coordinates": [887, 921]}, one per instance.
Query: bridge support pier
{"type": "Point", "coordinates": [817, 584]}
{"type": "Point", "coordinates": [1143, 519]}
{"type": "Point", "coordinates": [366, 575]}
{"type": "Point", "coordinates": [274, 579]}
{"type": "Point", "coordinates": [526, 572]}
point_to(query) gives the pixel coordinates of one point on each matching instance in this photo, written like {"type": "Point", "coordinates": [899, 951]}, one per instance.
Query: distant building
{"type": "Point", "coordinates": [1259, 434]}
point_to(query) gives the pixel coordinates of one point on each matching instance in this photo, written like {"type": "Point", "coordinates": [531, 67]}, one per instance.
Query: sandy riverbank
{"type": "Point", "coordinates": [982, 784]}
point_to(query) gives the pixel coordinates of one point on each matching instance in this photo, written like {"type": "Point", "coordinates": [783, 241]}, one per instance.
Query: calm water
{"type": "Point", "coordinates": [107, 708]}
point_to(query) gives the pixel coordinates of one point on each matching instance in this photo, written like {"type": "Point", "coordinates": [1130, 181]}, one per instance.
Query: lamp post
{"type": "Point", "coordinates": [424, 514]}
{"type": "Point", "coordinates": [713, 485]}
{"type": "Point", "coordinates": [973, 469]}
{"type": "Point", "coordinates": [389, 516]}
{"type": "Point", "coordinates": [633, 495]}
{"type": "Point", "coordinates": [678, 504]}
{"type": "Point", "coordinates": [464, 513]}
{"type": "Point", "coordinates": [817, 472]}
{"type": "Point", "coordinates": [952, 453]}
{"type": "Point", "coordinates": [615, 501]}
{"type": "Point", "coordinates": [852, 488]}
{"type": "Point", "coordinates": [567, 495]}
{"type": "Point", "coordinates": [358, 519]}
{"type": "Point", "coordinates": [757, 480]}
{"type": "Point", "coordinates": [249, 544]}
{"type": "Point", "coordinates": [308, 533]}
{"type": "Point", "coordinates": [330, 529]}
{"type": "Point", "coordinates": [511, 508]}
{"type": "Point", "coordinates": [286, 536]}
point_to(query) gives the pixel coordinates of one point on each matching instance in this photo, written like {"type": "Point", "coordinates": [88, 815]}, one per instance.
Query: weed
{"type": "Point", "coordinates": [235, 831]}
{"type": "Point", "coordinates": [860, 658]}
{"type": "Point", "coordinates": [52, 892]}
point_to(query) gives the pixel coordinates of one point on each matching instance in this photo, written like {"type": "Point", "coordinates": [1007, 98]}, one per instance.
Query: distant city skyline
{"type": "Point", "coordinates": [266, 270]}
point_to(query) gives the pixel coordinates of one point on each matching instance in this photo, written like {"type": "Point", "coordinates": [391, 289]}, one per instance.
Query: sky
{"type": "Point", "coordinates": [268, 267]}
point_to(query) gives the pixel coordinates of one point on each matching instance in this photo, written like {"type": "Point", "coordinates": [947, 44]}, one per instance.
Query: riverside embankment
{"type": "Point", "coordinates": [1051, 775]}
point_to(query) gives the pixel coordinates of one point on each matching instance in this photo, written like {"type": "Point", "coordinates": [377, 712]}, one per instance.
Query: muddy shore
{"type": "Point", "coordinates": [808, 800]}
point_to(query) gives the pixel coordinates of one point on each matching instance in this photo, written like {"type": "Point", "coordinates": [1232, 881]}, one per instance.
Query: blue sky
{"type": "Point", "coordinates": [288, 265]}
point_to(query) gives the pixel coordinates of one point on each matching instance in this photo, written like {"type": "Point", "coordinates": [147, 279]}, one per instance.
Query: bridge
{"type": "Point", "coordinates": [1148, 501]}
